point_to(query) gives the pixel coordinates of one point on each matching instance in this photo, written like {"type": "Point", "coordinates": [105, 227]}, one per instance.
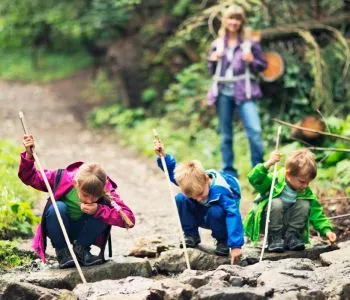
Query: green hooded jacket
{"type": "Point", "coordinates": [261, 180]}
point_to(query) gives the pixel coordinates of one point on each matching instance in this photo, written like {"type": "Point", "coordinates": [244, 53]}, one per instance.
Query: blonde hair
{"type": "Point", "coordinates": [302, 162]}
{"type": "Point", "coordinates": [191, 177]}
{"type": "Point", "coordinates": [91, 179]}
{"type": "Point", "coordinates": [232, 11]}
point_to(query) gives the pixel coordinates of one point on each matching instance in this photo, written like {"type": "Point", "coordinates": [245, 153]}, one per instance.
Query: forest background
{"type": "Point", "coordinates": [148, 62]}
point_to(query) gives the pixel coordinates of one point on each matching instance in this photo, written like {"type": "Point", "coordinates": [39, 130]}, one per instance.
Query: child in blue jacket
{"type": "Point", "coordinates": [208, 199]}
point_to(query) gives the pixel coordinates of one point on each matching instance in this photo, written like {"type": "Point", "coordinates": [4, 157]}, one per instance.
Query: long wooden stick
{"type": "Point", "coordinates": [60, 221]}
{"type": "Point", "coordinates": [313, 130]}
{"type": "Point", "coordinates": [270, 197]}
{"type": "Point", "coordinates": [172, 198]}
{"type": "Point", "coordinates": [329, 149]}
{"type": "Point", "coordinates": [339, 216]}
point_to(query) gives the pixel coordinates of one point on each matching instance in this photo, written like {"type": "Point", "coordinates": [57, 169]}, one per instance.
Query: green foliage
{"type": "Point", "coordinates": [16, 200]}
{"type": "Point", "coordinates": [23, 22]}
{"type": "Point", "coordinates": [100, 89]}
{"type": "Point", "coordinates": [117, 116]}
{"type": "Point", "coordinates": [10, 256]}
{"type": "Point", "coordinates": [149, 95]}
{"type": "Point", "coordinates": [17, 65]}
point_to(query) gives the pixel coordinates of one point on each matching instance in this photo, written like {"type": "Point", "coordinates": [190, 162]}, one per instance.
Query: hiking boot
{"type": "Point", "coordinates": [222, 249]}
{"type": "Point", "coordinates": [191, 241]}
{"type": "Point", "coordinates": [64, 258]}
{"type": "Point", "coordinates": [85, 257]}
{"type": "Point", "coordinates": [275, 242]}
{"type": "Point", "coordinates": [293, 241]}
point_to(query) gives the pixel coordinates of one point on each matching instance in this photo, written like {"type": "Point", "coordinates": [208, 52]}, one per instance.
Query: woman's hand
{"type": "Point", "coordinates": [89, 209]}
{"type": "Point", "coordinates": [274, 158]}
{"type": "Point", "coordinates": [248, 56]}
{"type": "Point", "coordinates": [28, 143]}
{"type": "Point", "coordinates": [158, 147]}
{"type": "Point", "coordinates": [236, 253]}
{"type": "Point", "coordinates": [216, 55]}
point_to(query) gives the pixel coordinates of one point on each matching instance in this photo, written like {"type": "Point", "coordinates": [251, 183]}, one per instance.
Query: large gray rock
{"type": "Point", "coordinates": [10, 290]}
{"type": "Point", "coordinates": [212, 293]}
{"type": "Point", "coordinates": [173, 261]}
{"type": "Point", "coordinates": [170, 289]}
{"type": "Point", "coordinates": [127, 288]}
{"type": "Point", "coordinates": [120, 267]}
{"type": "Point", "coordinates": [252, 254]}
{"type": "Point", "coordinates": [336, 256]}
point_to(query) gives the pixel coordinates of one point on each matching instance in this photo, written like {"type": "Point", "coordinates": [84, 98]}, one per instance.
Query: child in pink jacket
{"type": "Point", "coordinates": [88, 204]}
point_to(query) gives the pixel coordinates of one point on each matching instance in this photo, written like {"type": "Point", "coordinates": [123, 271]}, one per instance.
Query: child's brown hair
{"type": "Point", "coordinates": [191, 177]}
{"type": "Point", "coordinates": [302, 162]}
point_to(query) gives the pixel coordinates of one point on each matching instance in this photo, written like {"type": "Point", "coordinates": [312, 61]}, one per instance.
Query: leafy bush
{"type": "Point", "coordinates": [16, 200]}
{"type": "Point", "coordinates": [10, 256]}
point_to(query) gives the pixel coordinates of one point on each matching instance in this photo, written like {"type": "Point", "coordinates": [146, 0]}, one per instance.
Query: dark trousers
{"type": "Point", "coordinates": [194, 215]}
{"type": "Point", "coordinates": [84, 231]}
{"type": "Point", "coordinates": [288, 217]}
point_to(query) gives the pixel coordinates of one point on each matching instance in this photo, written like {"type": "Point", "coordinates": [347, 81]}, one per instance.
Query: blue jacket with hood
{"type": "Point", "coordinates": [225, 192]}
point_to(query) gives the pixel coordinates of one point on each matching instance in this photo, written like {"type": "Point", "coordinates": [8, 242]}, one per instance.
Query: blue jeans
{"type": "Point", "coordinates": [194, 215]}
{"type": "Point", "coordinates": [85, 230]}
{"type": "Point", "coordinates": [248, 112]}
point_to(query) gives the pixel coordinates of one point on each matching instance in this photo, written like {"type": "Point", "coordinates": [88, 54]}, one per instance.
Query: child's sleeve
{"type": "Point", "coordinates": [235, 235]}
{"type": "Point", "coordinates": [30, 175]}
{"type": "Point", "coordinates": [259, 63]}
{"type": "Point", "coordinates": [111, 215]}
{"type": "Point", "coordinates": [318, 219]}
{"type": "Point", "coordinates": [260, 178]}
{"type": "Point", "coordinates": [171, 164]}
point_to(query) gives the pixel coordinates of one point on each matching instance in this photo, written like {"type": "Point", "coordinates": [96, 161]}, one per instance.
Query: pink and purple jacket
{"type": "Point", "coordinates": [239, 68]}
{"type": "Point", "coordinates": [108, 214]}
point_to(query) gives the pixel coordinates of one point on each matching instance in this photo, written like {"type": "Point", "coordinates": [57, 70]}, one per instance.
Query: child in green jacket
{"type": "Point", "coordinates": [293, 205]}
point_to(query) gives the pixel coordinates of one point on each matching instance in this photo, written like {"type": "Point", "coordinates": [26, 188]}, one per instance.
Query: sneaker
{"type": "Point", "coordinates": [191, 241]}
{"type": "Point", "coordinates": [85, 257]}
{"type": "Point", "coordinates": [293, 242]}
{"type": "Point", "coordinates": [275, 242]}
{"type": "Point", "coordinates": [222, 249]}
{"type": "Point", "coordinates": [64, 258]}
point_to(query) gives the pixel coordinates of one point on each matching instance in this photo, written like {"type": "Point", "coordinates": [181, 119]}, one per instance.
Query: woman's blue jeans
{"type": "Point", "coordinates": [248, 112]}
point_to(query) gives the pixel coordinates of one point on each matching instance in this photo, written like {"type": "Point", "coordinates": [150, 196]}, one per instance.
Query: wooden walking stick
{"type": "Point", "coordinates": [270, 197]}
{"type": "Point", "coordinates": [36, 158]}
{"type": "Point", "coordinates": [172, 198]}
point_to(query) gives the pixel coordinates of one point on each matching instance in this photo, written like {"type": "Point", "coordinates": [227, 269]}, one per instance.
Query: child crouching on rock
{"type": "Point", "coordinates": [294, 206]}
{"type": "Point", "coordinates": [208, 199]}
{"type": "Point", "coordinates": [88, 204]}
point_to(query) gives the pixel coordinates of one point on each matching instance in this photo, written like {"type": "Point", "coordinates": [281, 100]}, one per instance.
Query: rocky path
{"type": "Point", "coordinates": [54, 115]}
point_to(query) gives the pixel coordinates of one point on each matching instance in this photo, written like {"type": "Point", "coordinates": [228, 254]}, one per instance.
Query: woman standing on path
{"type": "Point", "coordinates": [234, 61]}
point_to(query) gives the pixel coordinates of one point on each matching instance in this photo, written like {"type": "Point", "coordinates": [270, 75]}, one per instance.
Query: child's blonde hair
{"type": "Point", "coordinates": [191, 177]}
{"type": "Point", "coordinates": [302, 162]}
{"type": "Point", "coordinates": [91, 179]}
{"type": "Point", "coordinates": [232, 11]}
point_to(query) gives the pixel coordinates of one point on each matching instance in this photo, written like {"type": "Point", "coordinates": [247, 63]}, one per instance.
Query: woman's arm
{"type": "Point", "coordinates": [259, 63]}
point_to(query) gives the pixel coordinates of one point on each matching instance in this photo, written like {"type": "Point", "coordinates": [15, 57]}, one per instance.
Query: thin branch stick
{"type": "Point", "coordinates": [335, 198]}
{"type": "Point", "coordinates": [312, 130]}
{"type": "Point", "coordinates": [172, 198]}
{"type": "Point", "coordinates": [329, 149]}
{"type": "Point", "coordinates": [340, 216]}
{"type": "Point", "coordinates": [270, 197]}
{"type": "Point", "coordinates": [60, 221]}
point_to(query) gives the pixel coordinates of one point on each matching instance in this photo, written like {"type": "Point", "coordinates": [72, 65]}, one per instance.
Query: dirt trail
{"type": "Point", "coordinates": [54, 116]}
